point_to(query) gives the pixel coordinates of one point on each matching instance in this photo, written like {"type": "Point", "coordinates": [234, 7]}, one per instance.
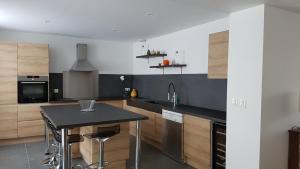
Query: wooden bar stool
{"type": "Point", "coordinates": [102, 135]}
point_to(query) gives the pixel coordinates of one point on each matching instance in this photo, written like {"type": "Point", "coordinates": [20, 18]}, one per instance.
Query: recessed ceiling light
{"type": "Point", "coordinates": [148, 14]}
{"type": "Point", "coordinates": [116, 30]}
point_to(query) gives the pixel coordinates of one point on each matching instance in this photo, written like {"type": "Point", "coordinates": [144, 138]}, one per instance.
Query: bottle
{"type": "Point", "coordinates": [177, 58]}
{"type": "Point", "coordinates": [133, 93]}
{"type": "Point", "coordinates": [148, 52]}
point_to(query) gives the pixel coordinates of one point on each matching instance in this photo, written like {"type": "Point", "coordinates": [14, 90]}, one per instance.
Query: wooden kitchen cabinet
{"type": "Point", "coordinates": [148, 126]}
{"type": "Point", "coordinates": [27, 112]}
{"type": "Point", "coordinates": [30, 121]}
{"type": "Point", "coordinates": [8, 122]}
{"type": "Point", "coordinates": [8, 73]}
{"type": "Point", "coordinates": [33, 59]}
{"type": "Point", "coordinates": [218, 55]}
{"type": "Point", "coordinates": [152, 129]}
{"type": "Point", "coordinates": [30, 128]}
{"type": "Point", "coordinates": [197, 142]}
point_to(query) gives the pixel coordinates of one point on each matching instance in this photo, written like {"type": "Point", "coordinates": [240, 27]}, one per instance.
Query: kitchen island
{"type": "Point", "coordinates": [65, 117]}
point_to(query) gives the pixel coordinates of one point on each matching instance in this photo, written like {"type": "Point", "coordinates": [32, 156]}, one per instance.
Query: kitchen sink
{"type": "Point", "coordinates": [153, 102]}
{"type": "Point", "coordinates": [161, 103]}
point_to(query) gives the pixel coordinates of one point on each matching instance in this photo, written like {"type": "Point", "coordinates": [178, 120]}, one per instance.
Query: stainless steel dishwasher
{"type": "Point", "coordinates": [173, 135]}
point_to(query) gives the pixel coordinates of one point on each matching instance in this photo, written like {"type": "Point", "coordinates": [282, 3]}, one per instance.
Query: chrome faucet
{"type": "Point", "coordinates": [174, 98]}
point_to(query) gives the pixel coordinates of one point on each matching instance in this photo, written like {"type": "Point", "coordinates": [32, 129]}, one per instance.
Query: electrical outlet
{"type": "Point", "coordinates": [242, 103]}
{"type": "Point", "coordinates": [55, 90]}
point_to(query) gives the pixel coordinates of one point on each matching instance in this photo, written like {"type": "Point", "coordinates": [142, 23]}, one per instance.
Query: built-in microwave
{"type": "Point", "coordinates": [32, 89]}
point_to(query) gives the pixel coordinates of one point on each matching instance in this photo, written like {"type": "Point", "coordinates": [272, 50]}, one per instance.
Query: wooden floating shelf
{"type": "Point", "coordinates": [178, 65]}
{"type": "Point", "coordinates": [152, 56]}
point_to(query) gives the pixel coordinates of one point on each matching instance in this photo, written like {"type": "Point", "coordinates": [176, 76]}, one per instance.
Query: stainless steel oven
{"type": "Point", "coordinates": [32, 89]}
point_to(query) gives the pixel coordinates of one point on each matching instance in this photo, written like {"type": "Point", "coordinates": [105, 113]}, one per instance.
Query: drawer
{"type": "Point", "coordinates": [28, 112]}
{"type": "Point", "coordinates": [31, 128]}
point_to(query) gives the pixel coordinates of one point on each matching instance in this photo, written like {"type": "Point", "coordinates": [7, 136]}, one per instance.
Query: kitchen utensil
{"type": "Point", "coordinates": [86, 105]}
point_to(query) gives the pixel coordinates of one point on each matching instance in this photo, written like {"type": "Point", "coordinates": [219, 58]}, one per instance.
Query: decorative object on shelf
{"type": "Point", "coordinates": [169, 66]}
{"type": "Point", "coordinates": [133, 93]}
{"type": "Point", "coordinates": [179, 57]}
{"type": "Point", "coordinates": [166, 62]}
{"type": "Point", "coordinates": [153, 52]}
{"type": "Point", "coordinates": [151, 56]}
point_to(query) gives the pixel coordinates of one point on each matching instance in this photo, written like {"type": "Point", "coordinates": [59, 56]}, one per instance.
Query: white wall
{"type": "Point", "coordinates": [108, 56]}
{"type": "Point", "coordinates": [281, 85]}
{"type": "Point", "coordinates": [193, 42]}
{"type": "Point", "coordinates": [245, 82]}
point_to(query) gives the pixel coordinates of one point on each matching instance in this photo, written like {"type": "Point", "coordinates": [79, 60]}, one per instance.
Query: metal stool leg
{"type": "Point", "coordinates": [101, 154]}
{"type": "Point", "coordinates": [47, 141]}
{"type": "Point", "coordinates": [70, 155]}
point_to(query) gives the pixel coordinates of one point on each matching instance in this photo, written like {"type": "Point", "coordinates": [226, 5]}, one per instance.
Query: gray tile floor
{"type": "Point", "coordinates": [29, 156]}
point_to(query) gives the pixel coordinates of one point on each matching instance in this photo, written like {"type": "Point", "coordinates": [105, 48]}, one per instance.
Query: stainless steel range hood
{"type": "Point", "coordinates": [81, 81]}
{"type": "Point", "coordinates": [81, 63]}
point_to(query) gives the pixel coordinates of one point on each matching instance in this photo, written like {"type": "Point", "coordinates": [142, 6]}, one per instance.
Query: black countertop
{"type": "Point", "coordinates": [157, 106]}
{"type": "Point", "coordinates": [70, 116]}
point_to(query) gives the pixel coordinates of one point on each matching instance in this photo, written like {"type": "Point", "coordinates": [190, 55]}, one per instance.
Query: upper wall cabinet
{"type": "Point", "coordinates": [8, 73]}
{"type": "Point", "coordinates": [33, 59]}
{"type": "Point", "coordinates": [218, 55]}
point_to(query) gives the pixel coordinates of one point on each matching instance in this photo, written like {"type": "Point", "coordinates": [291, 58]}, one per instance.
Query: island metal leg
{"type": "Point", "coordinates": [64, 147]}
{"type": "Point", "coordinates": [47, 141]}
{"type": "Point", "coordinates": [138, 145]}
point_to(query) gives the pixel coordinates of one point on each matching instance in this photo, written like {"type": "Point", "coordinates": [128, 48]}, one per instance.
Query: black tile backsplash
{"type": "Point", "coordinates": [56, 82]}
{"type": "Point", "coordinates": [192, 89]}
{"type": "Point", "coordinates": [110, 85]}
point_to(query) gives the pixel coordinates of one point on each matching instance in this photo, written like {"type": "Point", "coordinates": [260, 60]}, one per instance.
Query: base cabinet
{"type": "Point", "coordinates": [8, 121]}
{"type": "Point", "coordinates": [116, 149]}
{"type": "Point", "coordinates": [30, 121]}
{"type": "Point", "coordinates": [197, 142]}
{"type": "Point", "coordinates": [197, 136]}
{"type": "Point", "coordinates": [31, 128]}
{"type": "Point", "coordinates": [151, 129]}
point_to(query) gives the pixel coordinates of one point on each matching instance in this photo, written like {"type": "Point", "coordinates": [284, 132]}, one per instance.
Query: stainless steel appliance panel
{"type": "Point", "coordinates": [173, 135]}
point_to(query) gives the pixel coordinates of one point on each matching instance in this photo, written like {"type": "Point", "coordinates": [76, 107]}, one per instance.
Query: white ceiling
{"type": "Point", "coordinates": [119, 19]}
